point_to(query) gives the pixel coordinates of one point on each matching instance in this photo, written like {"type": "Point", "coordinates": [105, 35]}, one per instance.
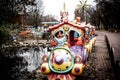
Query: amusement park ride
{"type": "Point", "coordinates": [72, 43]}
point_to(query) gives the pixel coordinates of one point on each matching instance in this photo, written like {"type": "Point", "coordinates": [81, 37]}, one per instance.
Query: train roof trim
{"type": "Point", "coordinates": [82, 27]}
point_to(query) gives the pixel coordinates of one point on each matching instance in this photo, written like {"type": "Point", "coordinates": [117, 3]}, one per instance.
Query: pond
{"type": "Point", "coordinates": [18, 63]}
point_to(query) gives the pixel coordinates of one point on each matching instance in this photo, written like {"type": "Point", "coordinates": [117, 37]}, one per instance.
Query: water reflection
{"type": "Point", "coordinates": [33, 57]}
{"type": "Point", "coordinates": [17, 63]}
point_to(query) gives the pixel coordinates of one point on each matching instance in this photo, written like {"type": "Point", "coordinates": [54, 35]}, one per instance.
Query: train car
{"type": "Point", "coordinates": [90, 38]}
{"type": "Point", "coordinates": [72, 43]}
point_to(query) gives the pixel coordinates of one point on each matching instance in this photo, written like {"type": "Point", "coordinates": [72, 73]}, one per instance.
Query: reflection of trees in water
{"type": "Point", "coordinates": [13, 66]}
{"type": "Point", "coordinates": [33, 56]}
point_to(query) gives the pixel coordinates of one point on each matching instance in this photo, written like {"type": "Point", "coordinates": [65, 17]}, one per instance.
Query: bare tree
{"type": "Point", "coordinates": [35, 13]}
{"type": "Point", "coordinates": [9, 9]}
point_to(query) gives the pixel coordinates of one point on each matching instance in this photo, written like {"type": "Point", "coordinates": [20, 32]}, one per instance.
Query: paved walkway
{"type": "Point", "coordinates": [114, 50]}
{"type": "Point", "coordinates": [103, 64]}
{"type": "Point", "coordinates": [98, 66]}
{"type": "Point", "coordinates": [114, 40]}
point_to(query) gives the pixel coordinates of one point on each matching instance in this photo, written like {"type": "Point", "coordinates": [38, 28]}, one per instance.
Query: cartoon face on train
{"type": "Point", "coordinates": [61, 60]}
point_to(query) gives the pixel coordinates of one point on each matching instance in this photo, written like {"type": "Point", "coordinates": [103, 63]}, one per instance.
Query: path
{"type": "Point", "coordinates": [98, 64]}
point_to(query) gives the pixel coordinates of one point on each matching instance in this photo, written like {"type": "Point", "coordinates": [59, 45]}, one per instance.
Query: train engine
{"type": "Point", "coordinates": [71, 46]}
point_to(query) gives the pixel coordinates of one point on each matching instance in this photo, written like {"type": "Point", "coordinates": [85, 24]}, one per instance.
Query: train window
{"type": "Point", "coordinates": [76, 34]}
{"type": "Point", "coordinates": [87, 30]}
{"type": "Point", "coordinates": [59, 34]}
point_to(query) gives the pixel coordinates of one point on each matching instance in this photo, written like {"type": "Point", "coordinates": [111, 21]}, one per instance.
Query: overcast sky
{"type": "Point", "coordinates": [54, 6]}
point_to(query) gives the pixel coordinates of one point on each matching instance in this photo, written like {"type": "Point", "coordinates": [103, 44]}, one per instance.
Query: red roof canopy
{"type": "Point", "coordinates": [68, 23]}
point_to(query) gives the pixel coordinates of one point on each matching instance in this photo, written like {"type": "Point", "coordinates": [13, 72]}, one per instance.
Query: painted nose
{"type": "Point", "coordinates": [59, 60]}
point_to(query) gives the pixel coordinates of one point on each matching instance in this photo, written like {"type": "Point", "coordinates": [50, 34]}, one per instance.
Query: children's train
{"type": "Point", "coordinates": [72, 43]}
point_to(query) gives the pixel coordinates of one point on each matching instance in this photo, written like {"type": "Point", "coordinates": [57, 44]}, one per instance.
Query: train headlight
{"type": "Point", "coordinates": [44, 68]}
{"type": "Point", "coordinates": [77, 69]}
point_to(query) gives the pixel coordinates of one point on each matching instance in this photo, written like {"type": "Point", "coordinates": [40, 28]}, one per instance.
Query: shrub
{"type": "Point", "coordinates": [4, 35]}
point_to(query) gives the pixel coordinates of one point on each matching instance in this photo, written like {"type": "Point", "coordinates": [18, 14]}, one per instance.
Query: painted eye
{"type": "Point", "coordinates": [66, 67]}
{"type": "Point", "coordinates": [78, 59]}
{"type": "Point", "coordinates": [62, 60]}
{"type": "Point", "coordinates": [52, 66]}
{"type": "Point", "coordinates": [45, 58]}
